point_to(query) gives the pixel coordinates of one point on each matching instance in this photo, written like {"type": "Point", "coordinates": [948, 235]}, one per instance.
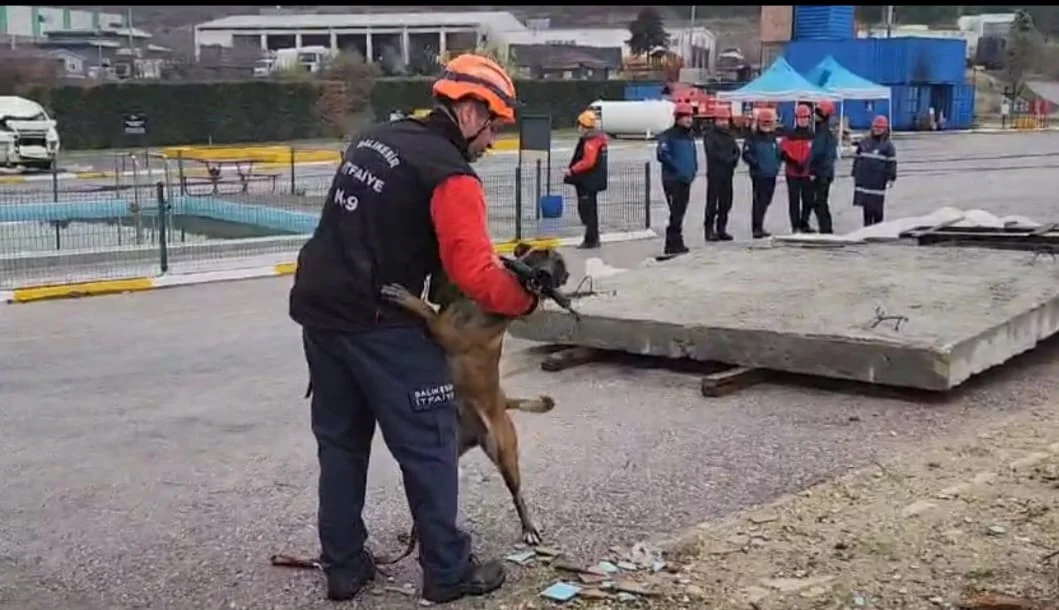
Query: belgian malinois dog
{"type": "Point", "coordinates": [473, 340]}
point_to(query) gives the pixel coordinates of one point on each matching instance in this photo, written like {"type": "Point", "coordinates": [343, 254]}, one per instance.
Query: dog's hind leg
{"type": "Point", "coordinates": [502, 449]}
{"type": "Point", "coordinates": [541, 404]}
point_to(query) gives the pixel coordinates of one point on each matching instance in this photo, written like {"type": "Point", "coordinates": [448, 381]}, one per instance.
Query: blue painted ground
{"type": "Point", "coordinates": [206, 207]}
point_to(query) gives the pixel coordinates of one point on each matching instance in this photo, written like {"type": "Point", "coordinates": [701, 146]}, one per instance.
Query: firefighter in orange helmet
{"type": "Point", "coordinates": [761, 153]}
{"type": "Point", "coordinates": [822, 157]}
{"type": "Point", "coordinates": [588, 174]}
{"type": "Point", "coordinates": [404, 204]}
{"type": "Point", "coordinates": [722, 156]}
{"type": "Point", "coordinates": [874, 170]}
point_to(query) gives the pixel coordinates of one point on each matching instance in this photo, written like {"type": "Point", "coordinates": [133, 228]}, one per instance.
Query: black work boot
{"type": "Point", "coordinates": [480, 579]}
{"type": "Point", "coordinates": [343, 584]}
{"type": "Point", "coordinates": [710, 234]}
{"type": "Point", "coordinates": [674, 243]}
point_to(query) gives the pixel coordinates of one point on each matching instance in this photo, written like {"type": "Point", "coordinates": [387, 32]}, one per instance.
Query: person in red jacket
{"type": "Point", "coordinates": [588, 174]}
{"type": "Point", "coordinates": [796, 149]}
{"type": "Point", "coordinates": [404, 204]}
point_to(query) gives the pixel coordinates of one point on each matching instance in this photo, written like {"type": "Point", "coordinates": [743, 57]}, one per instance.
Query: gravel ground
{"type": "Point", "coordinates": [966, 522]}
{"type": "Point", "coordinates": [157, 451]}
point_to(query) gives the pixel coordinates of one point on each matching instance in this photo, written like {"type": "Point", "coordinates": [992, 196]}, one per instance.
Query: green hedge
{"type": "Point", "coordinates": [262, 111]}
{"type": "Point", "coordinates": [563, 99]}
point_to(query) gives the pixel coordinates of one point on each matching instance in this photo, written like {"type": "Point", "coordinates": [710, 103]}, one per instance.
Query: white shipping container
{"type": "Point", "coordinates": [645, 118]}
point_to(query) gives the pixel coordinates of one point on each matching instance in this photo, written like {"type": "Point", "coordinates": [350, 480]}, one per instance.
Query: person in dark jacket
{"type": "Point", "coordinates": [822, 159]}
{"type": "Point", "coordinates": [404, 204]}
{"type": "Point", "coordinates": [588, 174]}
{"type": "Point", "coordinates": [761, 153]}
{"type": "Point", "coordinates": [679, 160]}
{"type": "Point", "coordinates": [874, 169]}
{"type": "Point", "coordinates": [722, 155]}
{"type": "Point", "coordinates": [796, 147]}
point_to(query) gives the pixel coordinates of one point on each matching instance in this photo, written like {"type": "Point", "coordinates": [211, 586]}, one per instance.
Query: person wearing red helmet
{"type": "Point", "coordinates": [679, 160]}
{"type": "Point", "coordinates": [822, 157]}
{"type": "Point", "coordinates": [761, 153]}
{"type": "Point", "coordinates": [874, 170]}
{"type": "Point", "coordinates": [404, 205]}
{"type": "Point", "coordinates": [722, 156]}
{"type": "Point", "coordinates": [796, 147]}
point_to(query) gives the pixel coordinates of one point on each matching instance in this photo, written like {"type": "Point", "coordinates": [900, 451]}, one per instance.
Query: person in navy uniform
{"type": "Point", "coordinates": [822, 159]}
{"type": "Point", "coordinates": [722, 156]}
{"type": "Point", "coordinates": [680, 163]}
{"type": "Point", "coordinates": [874, 170]}
{"type": "Point", "coordinates": [404, 205]}
{"type": "Point", "coordinates": [761, 153]}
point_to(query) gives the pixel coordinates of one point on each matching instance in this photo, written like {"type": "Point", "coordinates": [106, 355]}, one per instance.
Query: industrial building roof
{"type": "Point", "coordinates": [502, 21]}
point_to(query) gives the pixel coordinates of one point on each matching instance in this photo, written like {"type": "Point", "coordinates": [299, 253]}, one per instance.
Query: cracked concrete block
{"type": "Point", "coordinates": [812, 311]}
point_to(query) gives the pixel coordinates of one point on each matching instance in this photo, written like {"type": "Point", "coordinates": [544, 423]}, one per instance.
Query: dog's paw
{"type": "Point", "coordinates": [532, 536]}
{"type": "Point", "coordinates": [547, 403]}
{"type": "Point", "coordinates": [395, 293]}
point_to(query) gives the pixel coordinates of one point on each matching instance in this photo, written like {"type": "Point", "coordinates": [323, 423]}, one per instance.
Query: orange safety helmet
{"type": "Point", "coordinates": [481, 78]}
{"type": "Point", "coordinates": [722, 111]}
{"type": "Point", "coordinates": [802, 112]}
{"type": "Point", "coordinates": [683, 109]}
{"type": "Point", "coordinates": [825, 108]}
{"type": "Point", "coordinates": [587, 119]}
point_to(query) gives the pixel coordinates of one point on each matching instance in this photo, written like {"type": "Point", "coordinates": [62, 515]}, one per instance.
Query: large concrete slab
{"type": "Point", "coordinates": [811, 311]}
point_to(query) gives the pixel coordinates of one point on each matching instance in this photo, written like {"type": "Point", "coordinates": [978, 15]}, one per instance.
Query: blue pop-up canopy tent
{"type": "Point", "coordinates": [780, 83]}
{"type": "Point", "coordinates": [834, 77]}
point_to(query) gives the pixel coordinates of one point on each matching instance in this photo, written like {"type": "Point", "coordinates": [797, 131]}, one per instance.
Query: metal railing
{"type": "Point", "coordinates": [152, 214]}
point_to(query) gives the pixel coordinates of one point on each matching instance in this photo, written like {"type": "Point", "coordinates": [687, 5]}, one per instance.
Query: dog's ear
{"type": "Point", "coordinates": [522, 249]}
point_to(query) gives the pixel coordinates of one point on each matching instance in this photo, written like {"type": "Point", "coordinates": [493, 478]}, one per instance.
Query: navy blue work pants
{"type": "Point", "coordinates": [399, 378]}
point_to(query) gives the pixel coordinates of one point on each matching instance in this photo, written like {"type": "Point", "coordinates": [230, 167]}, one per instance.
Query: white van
{"type": "Point", "coordinates": [28, 136]}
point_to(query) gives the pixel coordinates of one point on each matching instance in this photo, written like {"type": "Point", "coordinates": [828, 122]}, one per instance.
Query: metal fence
{"type": "Point", "coordinates": [58, 228]}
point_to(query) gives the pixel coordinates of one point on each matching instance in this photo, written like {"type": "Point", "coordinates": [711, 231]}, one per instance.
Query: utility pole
{"type": "Point", "coordinates": [691, 38]}
{"type": "Point", "coordinates": [889, 17]}
{"type": "Point", "coordinates": [128, 27]}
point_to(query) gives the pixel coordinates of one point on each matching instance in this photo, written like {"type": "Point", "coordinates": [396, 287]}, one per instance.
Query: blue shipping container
{"type": "Point", "coordinates": [856, 55]}
{"type": "Point", "coordinates": [824, 22]}
{"type": "Point", "coordinates": [860, 113]}
{"type": "Point", "coordinates": [909, 102]}
{"type": "Point", "coordinates": [886, 61]}
{"type": "Point", "coordinates": [649, 91]}
{"type": "Point", "coordinates": [919, 61]}
{"type": "Point", "coordinates": [960, 114]}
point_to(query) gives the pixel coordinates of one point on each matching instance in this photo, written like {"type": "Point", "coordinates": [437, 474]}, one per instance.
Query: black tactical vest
{"type": "Point", "coordinates": [594, 180]}
{"type": "Point", "coordinates": [375, 227]}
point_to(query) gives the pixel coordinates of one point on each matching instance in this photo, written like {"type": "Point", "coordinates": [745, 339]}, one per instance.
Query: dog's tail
{"type": "Point", "coordinates": [541, 404]}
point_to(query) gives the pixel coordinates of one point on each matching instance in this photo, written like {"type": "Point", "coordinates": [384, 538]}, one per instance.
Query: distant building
{"type": "Point", "coordinates": [33, 22]}
{"type": "Point", "coordinates": [107, 52]}
{"type": "Point", "coordinates": [435, 34]}
{"type": "Point", "coordinates": [369, 34]}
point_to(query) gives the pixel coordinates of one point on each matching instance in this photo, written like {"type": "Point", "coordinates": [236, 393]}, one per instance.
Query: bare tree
{"type": "Point", "coordinates": [21, 69]}
{"type": "Point", "coordinates": [345, 92]}
{"type": "Point", "coordinates": [1023, 44]}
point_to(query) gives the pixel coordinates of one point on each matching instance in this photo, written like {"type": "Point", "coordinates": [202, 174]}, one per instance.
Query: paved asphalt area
{"type": "Point", "coordinates": [156, 447]}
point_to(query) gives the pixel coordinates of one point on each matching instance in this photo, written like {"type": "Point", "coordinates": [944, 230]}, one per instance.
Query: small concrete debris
{"type": "Point", "coordinates": [561, 592]}
{"type": "Point", "coordinates": [523, 558]}
{"type": "Point", "coordinates": [997, 530]}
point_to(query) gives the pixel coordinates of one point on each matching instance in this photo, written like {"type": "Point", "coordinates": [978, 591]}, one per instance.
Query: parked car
{"type": "Point", "coordinates": [28, 136]}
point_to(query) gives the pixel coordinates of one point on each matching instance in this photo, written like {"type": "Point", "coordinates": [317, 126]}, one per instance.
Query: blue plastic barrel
{"type": "Point", "coordinates": [551, 206]}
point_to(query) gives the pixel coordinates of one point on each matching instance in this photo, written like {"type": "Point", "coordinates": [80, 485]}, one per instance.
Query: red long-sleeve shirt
{"type": "Point", "coordinates": [458, 211]}
{"type": "Point", "coordinates": [590, 157]}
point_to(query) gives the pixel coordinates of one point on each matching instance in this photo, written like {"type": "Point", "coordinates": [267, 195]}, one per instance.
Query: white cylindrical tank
{"type": "Point", "coordinates": [645, 118]}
